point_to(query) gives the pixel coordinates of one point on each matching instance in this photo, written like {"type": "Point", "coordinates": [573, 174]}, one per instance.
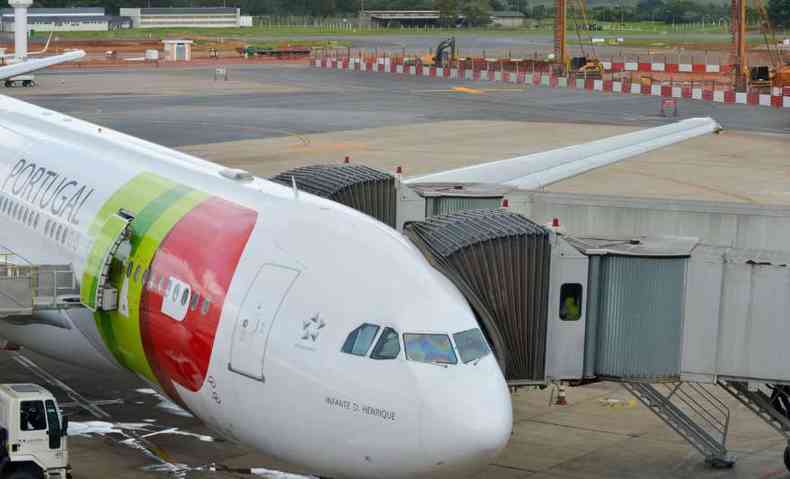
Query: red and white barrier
{"type": "Point", "coordinates": [778, 98]}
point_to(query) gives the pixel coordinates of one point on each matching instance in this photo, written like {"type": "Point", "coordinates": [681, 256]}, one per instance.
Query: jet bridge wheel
{"type": "Point", "coordinates": [787, 458]}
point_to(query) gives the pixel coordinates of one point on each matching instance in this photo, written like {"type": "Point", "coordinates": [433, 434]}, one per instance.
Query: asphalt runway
{"type": "Point", "coordinates": [603, 433]}
{"type": "Point", "coordinates": [322, 101]}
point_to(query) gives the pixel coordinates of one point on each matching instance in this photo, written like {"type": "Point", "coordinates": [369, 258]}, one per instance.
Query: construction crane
{"type": "Point", "coordinates": [777, 72]}
{"type": "Point", "coordinates": [588, 64]}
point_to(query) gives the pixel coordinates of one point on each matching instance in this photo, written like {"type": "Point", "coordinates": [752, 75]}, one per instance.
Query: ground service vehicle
{"type": "Point", "coordinates": [21, 80]}
{"type": "Point", "coordinates": [32, 434]}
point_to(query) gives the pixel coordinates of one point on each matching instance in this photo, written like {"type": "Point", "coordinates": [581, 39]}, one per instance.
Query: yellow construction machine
{"type": "Point", "coordinates": [777, 73]}
{"type": "Point", "coordinates": [588, 64]}
{"type": "Point", "coordinates": [445, 54]}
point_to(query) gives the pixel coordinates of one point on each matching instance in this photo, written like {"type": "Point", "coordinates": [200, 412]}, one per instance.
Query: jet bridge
{"type": "Point", "coordinates": [357, 186]}
{"type": "Point", "coordinates": [669, 318]}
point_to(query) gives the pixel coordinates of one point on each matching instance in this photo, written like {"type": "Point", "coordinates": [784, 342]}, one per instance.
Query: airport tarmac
{"type": "Point", "coordinates": [280, 116]}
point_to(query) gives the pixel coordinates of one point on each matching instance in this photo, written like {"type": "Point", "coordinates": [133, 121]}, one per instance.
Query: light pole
{"type": "Point", "coordinates": [20, 27]}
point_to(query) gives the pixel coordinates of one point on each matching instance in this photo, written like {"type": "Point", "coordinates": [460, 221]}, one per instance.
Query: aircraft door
{"type": "Point", "coordinates": [32, 439]}
{"type": "Point", "coordinates": [97, 292]}
{"type": "Point", "coordinates": [256, 317]}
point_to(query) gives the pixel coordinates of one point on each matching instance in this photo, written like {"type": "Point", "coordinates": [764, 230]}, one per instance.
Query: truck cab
{"type": "Point", "coordinates": [32, 434]}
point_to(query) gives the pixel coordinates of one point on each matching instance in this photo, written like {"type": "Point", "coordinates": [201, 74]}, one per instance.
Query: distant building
{"type": "Point", "coordinates": [508, 19]}
{"type": "Point", "coordinates": [399, 18]}
{"type": "Point", "coordinates": [204, 17]}
{"type": "Point", "coordinates": [86, 19]}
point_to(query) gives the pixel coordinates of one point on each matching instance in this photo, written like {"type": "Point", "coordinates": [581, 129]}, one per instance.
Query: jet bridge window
{"type": "Point", "coordinates": [471, 345]}
{"type": "Point", "coordinates": [388, 346]}
{"type": "Point", "coordinates": [571, 302]}
{"type": "Point", "coordinates": [429, 348]}
{"type": "Point", "coordinates": [32, 417]}
{"type": "Point", "coordinates": [359, 341]}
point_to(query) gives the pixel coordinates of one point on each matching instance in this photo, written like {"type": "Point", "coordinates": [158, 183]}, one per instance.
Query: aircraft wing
{"type": "Point", "coordinates": [29, 66]}
{"type": "Point", "coordinates": [541, 169]}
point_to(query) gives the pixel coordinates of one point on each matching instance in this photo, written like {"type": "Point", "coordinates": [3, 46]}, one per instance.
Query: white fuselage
{"type": "Point", "coordinates": [295, 275]}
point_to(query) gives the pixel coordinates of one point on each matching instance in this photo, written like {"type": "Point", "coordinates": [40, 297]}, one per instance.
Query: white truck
{"type": "Point", "coordinates": [32, 434]}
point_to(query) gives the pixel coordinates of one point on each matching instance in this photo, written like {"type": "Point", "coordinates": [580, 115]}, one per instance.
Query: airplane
{"type": "Point", "coordinates": [8, 72]}
{"type": "Point", "coordinates": [31, 54]}
{"type": "Point", "coordinates": [284, 321]}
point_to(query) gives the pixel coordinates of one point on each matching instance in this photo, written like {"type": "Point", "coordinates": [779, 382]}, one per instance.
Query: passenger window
{"type": "Point", "coordinates": [129, 268]}
{"type": "Point", "coordinates": [195, 300]}
{"type": "Point", "coordinates": [388, 346]}
{"type": "Point", "coordinates": [146, 277]}
{"type": "Point", "coordinates": [185, 297]}
{"type": "Point", "coordinates": [471, 345]}
{"type": "Point", "coordinates": [176, 292]}
{"type": "Point", "coordinates": [32, 416]}
{"type": "Point", "coordinates": [206, 306]}
{"type": "Point", "coordinates": [429, 348]}
{"type": "Point", "coordinates": [137, 273]}
{"type": "Point", "coordinates": [359, 341]}
{"type": "Point", "coordinates": [571, 302]}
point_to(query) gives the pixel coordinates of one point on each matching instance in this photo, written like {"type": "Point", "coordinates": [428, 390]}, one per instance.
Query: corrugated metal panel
{"type": "Point", "coordinates": [593, 312]}
{"type": "Point", "coordinates": [640, 317]}
{"type": "Point", "coordinates": [364, 189]}
{"type": "Point", "coordinates": [500, 261]}
{"type": "Point", "coordinates": [444, 205]}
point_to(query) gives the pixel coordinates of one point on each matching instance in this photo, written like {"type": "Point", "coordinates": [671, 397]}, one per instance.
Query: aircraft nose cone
{"type": "Point", "coordinates": [466, 428]}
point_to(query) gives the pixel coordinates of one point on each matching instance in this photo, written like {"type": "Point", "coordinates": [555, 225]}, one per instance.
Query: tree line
{"type": "Point", "coordinates": [476, 12]}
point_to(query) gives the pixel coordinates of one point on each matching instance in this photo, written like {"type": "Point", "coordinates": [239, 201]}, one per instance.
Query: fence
{"type": "Point", "coordinates": [519, 71]}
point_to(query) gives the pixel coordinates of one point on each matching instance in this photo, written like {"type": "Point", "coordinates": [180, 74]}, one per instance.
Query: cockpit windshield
{"type": "Point", "coordinates": [359, 341]}
{"type": "Point", "coordinates": [471, 345]}
{"type": "Point", "coordinates": [429, 348]}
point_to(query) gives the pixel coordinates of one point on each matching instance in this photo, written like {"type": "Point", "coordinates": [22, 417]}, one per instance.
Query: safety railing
{"type": "Point", "coordinates": [16, 285]}
{"type": "Point", "coordinates": [24, 286]}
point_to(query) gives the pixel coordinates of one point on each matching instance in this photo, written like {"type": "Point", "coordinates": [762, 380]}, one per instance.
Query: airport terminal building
{"type": "Point", "coordinates": [84, 19]}
{"type": "Point", "coordinates": [205, 17]}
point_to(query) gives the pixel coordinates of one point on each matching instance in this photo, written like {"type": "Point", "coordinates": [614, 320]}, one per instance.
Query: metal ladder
{"type": "Point", "coordinates": [764, 406]}
{"type": "Point", "coordinates": [678, 409]}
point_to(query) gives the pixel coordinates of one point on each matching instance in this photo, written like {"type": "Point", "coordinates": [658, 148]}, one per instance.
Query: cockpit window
{"type": "Point", "coordinates": [471, 345]}
{"type": "Point", "coordinates": [388, 346]}
{"type": "Point", "coordinates": [429, 348]}
{"type": "Point", "coordinates": [359, 341]}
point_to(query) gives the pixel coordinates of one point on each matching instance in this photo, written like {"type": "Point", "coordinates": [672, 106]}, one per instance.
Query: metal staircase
{"type": "Point", "coordinates": [772, 409]}
{"type": "Point", "coordinates": [26, 288]}
{"type": "Point", "coordinates": [693, 412]}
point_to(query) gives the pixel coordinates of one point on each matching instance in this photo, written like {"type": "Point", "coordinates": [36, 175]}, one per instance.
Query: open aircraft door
{"type": "Point", "coordinates": [112, 241]}
{"type": "Point", "coordinates": [256, 317]}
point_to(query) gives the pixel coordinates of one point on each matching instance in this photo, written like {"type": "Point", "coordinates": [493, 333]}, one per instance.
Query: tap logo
{"type": "Point", "coordinates": [311, 328]}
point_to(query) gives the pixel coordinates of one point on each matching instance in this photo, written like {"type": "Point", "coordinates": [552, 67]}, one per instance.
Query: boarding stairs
{"type": "Point", "coordinates": [26, 288]}
{"type": "Point", "coordinates": [770, 402]}
{"type": "Point", "coordinates": [692, 411]}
